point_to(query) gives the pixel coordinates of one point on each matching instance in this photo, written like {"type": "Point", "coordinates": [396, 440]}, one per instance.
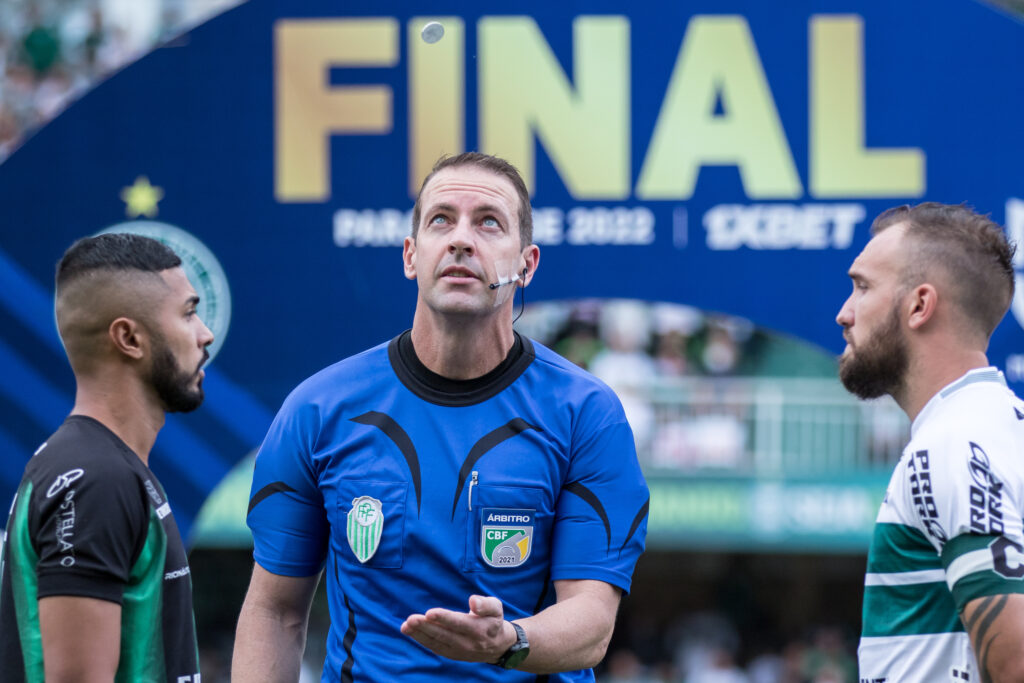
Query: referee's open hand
{"type": "Point", "coordinates": [479, 635]}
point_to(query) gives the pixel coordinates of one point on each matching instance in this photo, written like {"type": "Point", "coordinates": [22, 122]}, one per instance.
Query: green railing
{"type": "Point", "coordinates": [763, 427]}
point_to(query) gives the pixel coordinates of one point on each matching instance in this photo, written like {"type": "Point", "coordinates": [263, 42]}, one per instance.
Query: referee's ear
{"type": "Point", "coordinates": [409, 257]}
{"type": "Point", "coordinates": [531, 260]}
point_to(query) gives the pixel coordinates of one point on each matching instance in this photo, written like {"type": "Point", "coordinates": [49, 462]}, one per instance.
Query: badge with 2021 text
{"type": "Point", "coordinates": [506, 536]}
{"type": "Point", "coordinates": [365, 524]}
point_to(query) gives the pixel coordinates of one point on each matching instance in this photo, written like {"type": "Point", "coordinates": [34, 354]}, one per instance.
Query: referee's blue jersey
{"type": "Point", "coordinates": [414, 491]}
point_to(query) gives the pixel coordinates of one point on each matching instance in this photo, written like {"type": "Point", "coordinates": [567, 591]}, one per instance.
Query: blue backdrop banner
{"type": "Point", "coordinates": [726, 155]}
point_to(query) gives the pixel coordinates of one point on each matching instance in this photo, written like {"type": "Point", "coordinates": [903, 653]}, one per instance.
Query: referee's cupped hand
{"type": "Point", "coordinates": [479, 635]}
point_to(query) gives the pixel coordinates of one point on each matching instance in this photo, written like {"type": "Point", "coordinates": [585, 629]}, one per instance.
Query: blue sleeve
{"type": "Point", "coordinates": [286, 510]}
{"type": "Point", "coordinates": [601, 514]}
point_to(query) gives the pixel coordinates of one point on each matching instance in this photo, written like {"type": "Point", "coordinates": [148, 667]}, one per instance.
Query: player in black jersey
{"type": "Point", "coordinates": [95, 580]}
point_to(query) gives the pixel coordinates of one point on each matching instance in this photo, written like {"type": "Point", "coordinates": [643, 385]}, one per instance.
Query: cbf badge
{"type": "Point", "coordinates": [365, 524]}
{"type": "Point", "coordinates": [506, 536]}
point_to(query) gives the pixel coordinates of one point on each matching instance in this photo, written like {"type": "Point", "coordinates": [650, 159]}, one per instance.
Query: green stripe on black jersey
{"type": "Point", "coordinates": [110, 535]}
{"type": "Point", "coordinates": [142, 654]}
{"type": "Point", "coordinates": [22, 563]}
{"type": "Point", "coordinates": [142, 651]}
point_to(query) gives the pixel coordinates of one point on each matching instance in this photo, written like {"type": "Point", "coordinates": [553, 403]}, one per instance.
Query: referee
{"type": "Point", "coordinates": [473, 499]}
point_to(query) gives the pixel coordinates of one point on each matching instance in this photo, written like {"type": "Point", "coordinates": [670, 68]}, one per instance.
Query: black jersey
{"type": "Point", "coordinates": [91, 520]}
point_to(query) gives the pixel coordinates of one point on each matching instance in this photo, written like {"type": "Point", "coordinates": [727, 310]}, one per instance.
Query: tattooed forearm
{"type": "Point", "coordinates": [978, 625]}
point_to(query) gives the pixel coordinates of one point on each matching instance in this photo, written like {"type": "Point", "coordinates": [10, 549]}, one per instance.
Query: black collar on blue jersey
{"type": "Point", "coordinates": [444, 391]}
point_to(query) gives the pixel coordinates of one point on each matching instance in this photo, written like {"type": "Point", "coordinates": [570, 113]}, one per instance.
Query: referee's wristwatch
{"type": "Point", "coordinates": [515, 655]}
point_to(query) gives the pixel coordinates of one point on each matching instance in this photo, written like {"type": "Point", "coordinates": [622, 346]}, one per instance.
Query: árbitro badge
{"type": "Point", "coordinates": [506, 536]}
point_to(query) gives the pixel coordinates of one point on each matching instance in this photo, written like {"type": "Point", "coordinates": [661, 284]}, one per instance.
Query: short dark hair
{"type": "Point", "coordinates": [495, 165]}
{"type": "Point", "coordinates": [114, 251]}
{"type": "Point", "coordinates": [971, 248]}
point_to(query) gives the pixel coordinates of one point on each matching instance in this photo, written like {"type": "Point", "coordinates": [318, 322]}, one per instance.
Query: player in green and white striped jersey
{"type": "Point", "coordinates": [944, 591]}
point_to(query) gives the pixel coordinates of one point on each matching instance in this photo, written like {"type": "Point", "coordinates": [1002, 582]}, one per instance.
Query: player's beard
{"type": "Point", "coordinates": [878, 365]}
{"type": "Point", "coordinates": [172, 383]}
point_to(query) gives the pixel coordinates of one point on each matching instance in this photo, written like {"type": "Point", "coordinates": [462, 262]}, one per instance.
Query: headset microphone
{"type": "Point", "coordinates": [515, 278]}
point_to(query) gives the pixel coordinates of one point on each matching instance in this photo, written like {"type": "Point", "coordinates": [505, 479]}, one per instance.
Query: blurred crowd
{"type": "Point", "coordinates": [687, 379]}
{"type": "Point", "coordinates": [628, 341]}
{"type": "Point", "coordinates": [52, 51]}
{"type": "Point", "coordinates": [632, 346]}
{"type": "Point", "coordinates": [47, 59]}
{"type": "Point", "coordinates": [705, 647]}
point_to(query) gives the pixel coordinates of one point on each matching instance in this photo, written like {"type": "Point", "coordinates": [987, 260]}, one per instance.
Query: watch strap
{"type": "Point", "coordinates": [517, 652]}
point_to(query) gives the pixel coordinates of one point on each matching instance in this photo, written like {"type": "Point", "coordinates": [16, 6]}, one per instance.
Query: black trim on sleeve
{"type": "Point", "coordinates": [591, 498]}
{"type": "Point", "coordinates": [401, 439]}
{"type": "Point", "coordinates": [347, 642]}
{"type": "Point", "coordinates": [644, 509]}
{"type": "Point", "coordinates": [267, 491]}
{"type": "Point", "coordinates": [456, 393]}
{"type": "Point", "coordinates": [484, 444]}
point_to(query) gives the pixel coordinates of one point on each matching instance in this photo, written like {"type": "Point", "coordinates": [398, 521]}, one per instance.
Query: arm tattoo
{"type": "Point", "coordinates": [983, 618]}
{"type": "Point", "coordinates": [983, 608]}
{"type": "Point", "coordinates": [986, 677]}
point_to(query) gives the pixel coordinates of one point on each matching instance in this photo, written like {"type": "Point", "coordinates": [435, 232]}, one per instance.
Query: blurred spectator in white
{"type": "Point", "coordinates": [700, 639]}
{"type": "Point", "coordinates": [721, 668]}
{"type": "Point", "coordinates": [767, 667]}
{"type": "Point", "coordinates": [721, 352]}
{"type": "Point", "coordinates": [626, 328]}
{"type": "Point", "coordinates": [626, 366]}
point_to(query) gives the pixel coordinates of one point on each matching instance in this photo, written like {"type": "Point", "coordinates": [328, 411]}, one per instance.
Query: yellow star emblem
{"type": "Point", "coordinates": [141, 198]}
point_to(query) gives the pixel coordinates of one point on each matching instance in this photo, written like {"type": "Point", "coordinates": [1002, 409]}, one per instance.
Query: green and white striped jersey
{"type": "Point", "coordinates": [949, 531]}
